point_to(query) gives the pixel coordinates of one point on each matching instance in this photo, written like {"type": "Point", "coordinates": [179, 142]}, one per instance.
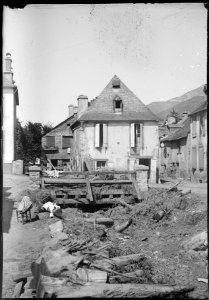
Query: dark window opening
{"type": "Point", "coordinates": [100, 135]}
{"type": "Point", "coordinates": [138, 132]}
{"type": "Point", "coordinates": [66, 142]}
{"type": "Point", "coordinates": [101, 164]}
{"type": "Point", "coordinates": [116, 84]}
{"type": "Point", "coordinates": [50, 141]}
{"type": "Point", "coordinates": [118, 104]}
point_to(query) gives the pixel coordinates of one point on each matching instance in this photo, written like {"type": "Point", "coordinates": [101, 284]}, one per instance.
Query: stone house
{"type": "Point", "coordinates": [57, 143]}
{"type": "Point", "coordinates": [115, 131]}
{"type": "Point", "coordinates": [9, 103]}
{"type": "Point", "coordinates": [198, 142]}
{"type": "Point", "coordinates": [174, 149]}
{"type": "Point", "coordinates": [183, 147]}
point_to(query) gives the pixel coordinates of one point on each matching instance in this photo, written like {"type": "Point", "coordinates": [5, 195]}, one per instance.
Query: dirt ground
{"type": "Point", "coordinates": [167, 263]}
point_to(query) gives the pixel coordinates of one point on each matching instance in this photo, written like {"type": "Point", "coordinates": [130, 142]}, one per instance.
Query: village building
{"type": "Point", "coordinates": [183, 146]}
{"type": "Point", "coordinates": [9, 103]}
{"type": "Point", "coordinates": [174, 148]}
{"type": "Point", "coordinates": [198, 143]}
{"type": "Point", "coordinates": [57, 143]}
{"type": "Point", "coordinates": [115, 131]}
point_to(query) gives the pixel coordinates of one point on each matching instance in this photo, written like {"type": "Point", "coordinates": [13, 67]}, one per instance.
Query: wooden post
{"type": "Point", "coordinates": [89, 189]}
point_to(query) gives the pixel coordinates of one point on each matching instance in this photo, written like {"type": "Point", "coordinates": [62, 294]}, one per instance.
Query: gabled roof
{"type": "Point", "coordinates": [202, 107]}
{"type": "Point", "coordinates": [101, 108]}
{"type": "Point", "coordinates": [179, 133]}
{"type": "Point", "coordinates": [68, 121]}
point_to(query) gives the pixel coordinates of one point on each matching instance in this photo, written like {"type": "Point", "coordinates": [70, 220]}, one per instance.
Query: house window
{"type": "Point", "coordinates": [116, 83]}
{"type": "Point", "coordinates": [66, 142]}
{"type": "Point", "coordinates": [117, 104]}
{"type": "Point", "coordinates": [50, 141]}
{"type": "Point", "coordinates": [194, 127]}
{"type": "Point", "coordinates": [101, 164]}
{"type": "Point", "coordinates": [202, 125]}
{"type": "Point", "coordinates": [136, 135]}
{"type": "Point", "coordinates": [100, 135]}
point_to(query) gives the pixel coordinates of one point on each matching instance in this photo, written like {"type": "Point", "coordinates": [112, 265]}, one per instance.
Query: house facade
{"type": "Point", "coordinates": [57, 144]}
{"type": "Point", "coordinates": [198, 143]}
{"type": "Point", "coordinates": [183, 147]}
{"type": "Point", "coordinates": [174, 150]}
{"type": "Point", "coordinates": [115, 131]}
{"type": "Point", "coordinates": [9, 103]}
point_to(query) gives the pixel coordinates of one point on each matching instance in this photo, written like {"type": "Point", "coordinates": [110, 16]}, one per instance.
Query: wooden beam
{"type": "Point", "coordinates": [83, 181]}
{"type": "Point", "coordinates": [98, 172]}
{"type": "Point", "coordinates": [89, 190]}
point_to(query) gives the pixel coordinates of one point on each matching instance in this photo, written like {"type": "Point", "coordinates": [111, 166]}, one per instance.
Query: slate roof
{"type": "Point", "coordinates": [180, 132]}
{"type": "Point", "coordinates": [68, 121]}
{"type": "Point", "coordinates": [202, 107]}
{"type": "Point", "coordinates": [101, 108]}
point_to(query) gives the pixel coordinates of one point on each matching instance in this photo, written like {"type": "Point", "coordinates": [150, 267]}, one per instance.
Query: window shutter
{"type": "Point", "coordinates": [141, 135]}
{"type": "Point", "coordinates": [105, 143]}
{"type": "Point", "coordinates": [132, 135]}
{"type": "Point", "coordinates": [201, 158]}
{"type": "Point", "coordinates": [194, 158]}
{"type": "Point", "coordinates": [97, 135]}
{"type": "Point", "coordinates": [194, 127]}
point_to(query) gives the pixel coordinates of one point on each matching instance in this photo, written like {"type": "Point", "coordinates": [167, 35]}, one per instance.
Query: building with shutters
{"type": "Point", "coordinates": [174, 149]}
{"type": "Point", "coordinates": [115, 131]}
{"type": "Point", "coordinates": [198, 142]}
{"type": "Point", "coordinates": [57, 143]}
{"type": "Point", "coordinates": [10, 100]}
{"type": "Point", "coordinates": [183, 148]}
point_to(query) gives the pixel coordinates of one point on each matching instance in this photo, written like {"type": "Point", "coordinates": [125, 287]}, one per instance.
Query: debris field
{"type": "Point", "coordinates": [152, 247]}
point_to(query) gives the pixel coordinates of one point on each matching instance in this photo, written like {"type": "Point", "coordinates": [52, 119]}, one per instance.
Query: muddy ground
{"type": "Point", "coordinates": [161, 241]}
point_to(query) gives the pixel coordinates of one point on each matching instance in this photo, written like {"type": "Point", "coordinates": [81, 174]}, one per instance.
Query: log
{"type": "Point", "coordinates": [105, 290]}
{"type": "Point", "coordinates": [173, 188]}
{"type": "Point", "coordinates": [18, 290]}
{"type": "Point", "coordinates": [122, 227]}
{"type": "Point", "coordinates": [158, 215]}
{"type": "Point", "coordinates": [91, 275]}
{"type": "Point", "coordinates": [196, 242]}
{"type": "Point", "coordinates": [47, 284]}
{"type": "Point", "coordinates": [21, 276]}
{"type": "Point", "coordinates": [103, 221]}
{"type": "Point", "coordinates": [122, 279]}
{"type": "Point", "coordinates": [119, 261]}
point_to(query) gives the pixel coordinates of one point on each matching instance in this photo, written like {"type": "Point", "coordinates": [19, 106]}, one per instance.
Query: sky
{"type": "Point", "coordinates": [62, 51]}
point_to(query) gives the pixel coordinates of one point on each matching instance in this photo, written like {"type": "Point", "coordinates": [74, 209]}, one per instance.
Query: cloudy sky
{"type": "Point", "coordinates": [62, 51]}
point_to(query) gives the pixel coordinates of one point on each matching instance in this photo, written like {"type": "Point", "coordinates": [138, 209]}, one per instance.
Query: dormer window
{"type": "Point", "coordinates": [117, 104]}
{"type": "Point", "coordinates": [116, 84]}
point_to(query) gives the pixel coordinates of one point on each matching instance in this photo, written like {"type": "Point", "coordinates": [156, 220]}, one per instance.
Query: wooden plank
{"type": "Point", "coordinates": [98, 172]}
{"type": "Point", "coordinates": [83, 181]}
{"type": "Point", "coordinates": [136, 188]}
{"type": "Point", "coordinates": [89, 190]}
{"type": "Point", "coordinates": [63, 201]}
{"type": "Point", "coordinates": [110, 181]}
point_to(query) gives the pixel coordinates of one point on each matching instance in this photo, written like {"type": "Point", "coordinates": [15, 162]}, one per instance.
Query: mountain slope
{"type": "Point", "coordinates": [187, 102]}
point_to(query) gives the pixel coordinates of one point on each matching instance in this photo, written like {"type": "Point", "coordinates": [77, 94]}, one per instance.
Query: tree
{"type": "Point", "coordinates": [28, 140]}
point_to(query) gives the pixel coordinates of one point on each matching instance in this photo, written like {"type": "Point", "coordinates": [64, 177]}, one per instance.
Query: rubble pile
{"type": "Point", "coordinates": [141, 250]}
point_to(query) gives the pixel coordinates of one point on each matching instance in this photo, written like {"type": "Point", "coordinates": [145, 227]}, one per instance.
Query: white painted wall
{"type": "Point", "coordinates": [8, 128]}
{"type": "Point", "coordinates": [118, 143]}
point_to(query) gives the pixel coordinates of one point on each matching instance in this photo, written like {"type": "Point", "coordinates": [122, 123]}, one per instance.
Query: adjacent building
{"type": "Point", "coordinates": [183, 147]}
{"type": "Point", "coordinates": [57, 144]}
{"type": "Point", "coordinates": [115, 131]}
{"type": "Point", "coordinates": [198, 142]}
{"type": "Point", "coordinates": [9, 103]}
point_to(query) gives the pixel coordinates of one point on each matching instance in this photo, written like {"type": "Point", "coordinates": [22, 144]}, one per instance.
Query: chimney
{"type": "Point", "coordinates": [70, 110]}
{"type": "Point", "coordinates": [8, 60]}
{"type": "Point", "coordinates": [75, 109]}
{"type": "Point", "coordinates": [82, 104]}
